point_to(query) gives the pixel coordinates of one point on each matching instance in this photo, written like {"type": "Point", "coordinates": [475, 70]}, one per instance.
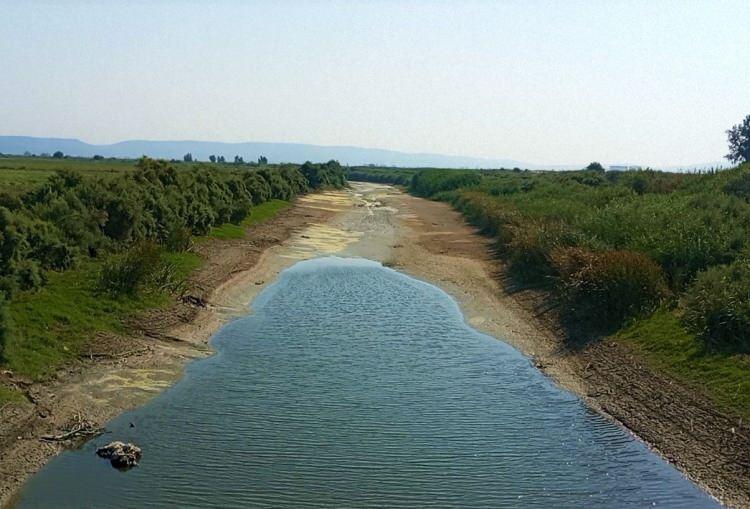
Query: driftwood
{"type": "Point", "coordinates": [82, 428]}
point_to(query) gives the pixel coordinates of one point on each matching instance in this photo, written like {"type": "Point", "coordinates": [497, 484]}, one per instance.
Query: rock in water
{"type": "Point", "coordinates": [120, 454]}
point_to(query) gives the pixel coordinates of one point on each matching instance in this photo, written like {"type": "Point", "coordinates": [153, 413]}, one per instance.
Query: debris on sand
{"type": "Point", "coordinates": [120, 455]}
{"type": "Point", "coordinates": [79, 429]}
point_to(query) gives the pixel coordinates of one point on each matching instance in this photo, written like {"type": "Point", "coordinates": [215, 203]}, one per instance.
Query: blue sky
{"type": "Point", "coordinates": [650, 82]}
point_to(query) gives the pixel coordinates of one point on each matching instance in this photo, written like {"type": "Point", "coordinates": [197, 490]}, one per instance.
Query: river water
{"type": "Point", "coordinates": [352, 385]}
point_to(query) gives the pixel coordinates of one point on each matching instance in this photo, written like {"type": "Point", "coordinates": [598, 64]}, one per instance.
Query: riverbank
{"type": "Point", "coordinates": [118, 373]}
{"type": "Point", "coordinates": [425, 239]}
{"type": "Point", "coordinates": [677, 421]}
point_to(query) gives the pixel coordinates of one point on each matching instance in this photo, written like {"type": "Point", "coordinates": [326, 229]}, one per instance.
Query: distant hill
{"type": "Point", "coordinates": [275, 152]}
{"type": "Point", "coordinates": [278, 153]}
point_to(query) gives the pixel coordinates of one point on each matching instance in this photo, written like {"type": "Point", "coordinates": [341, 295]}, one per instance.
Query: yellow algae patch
{"type": "Point", "coordinates": [318, 240]}
{"type": "Point", "coordinates": [331, 201]}
{"type": "Point", "coordinates": [145, 380]}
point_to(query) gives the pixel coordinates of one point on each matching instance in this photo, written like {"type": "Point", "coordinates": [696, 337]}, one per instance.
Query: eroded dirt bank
{"type": "Point", "coordinates": [425, 239]}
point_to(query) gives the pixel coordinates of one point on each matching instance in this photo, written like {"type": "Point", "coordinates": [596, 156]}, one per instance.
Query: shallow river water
{"type": "Point", "coordinates": [352, 385]}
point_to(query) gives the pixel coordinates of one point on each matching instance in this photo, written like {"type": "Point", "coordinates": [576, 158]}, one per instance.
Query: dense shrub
{"type": "Point", "coordinates": [609, 287]}
{"type": "Point", "coordinates": [70, 216]}
{"type": "Point", "coordinates": [177, 238]}
{"type": "Point", "coordinates": [330, 174]}
{"type": "Point", "coordinates": [490, 215]}
{"type": "Point", "coordinates": [616, 243]}
{"type": "Point", "coordinates": [739, 186]}
{"type": "Point", "coordinates": [430, 182]}
{"type": "Point", "coordinates": [258, 187]}
{"type": "Point", "coordinates": [398, 176]}
{"type": "Point", "coordinates": [128, 272]}
{"type": "Point", "coordinates": [529, 250]}
{"type": "Point", "coordinates": [717, 306]}
{"type": "Point", "coordinates": [18, 270]}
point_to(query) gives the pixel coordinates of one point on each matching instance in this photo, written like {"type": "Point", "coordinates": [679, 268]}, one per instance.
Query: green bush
{"type": "Point", "coordinates": [430, 182]}
{"type": "Point", "coordinates": [330, 174]}
{"type": "Point", "coordinates": [684, 233]}
{"type": "Point", "coordinates": [127, 273]}
{"type": "Point", "coordinates": [739, 186]}
{"type": "Point", "coordinates": [607, 288]}
{"type": "Point", "coordinates": [530, 247]}
{"type": "Point", "coordinates": [177, 238]}
{"type": "Point", "coordinates": [398, 176]}
{"type": "Point", "coordinates": [70, 216]}
{"type": "Point", "coordinates": [717, 307]}
{"type": "Point", "coordinates": [493, 217]}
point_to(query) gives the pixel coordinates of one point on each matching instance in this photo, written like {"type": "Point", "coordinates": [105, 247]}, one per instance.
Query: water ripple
{"type": "Point", "coordinates": [355, 386]}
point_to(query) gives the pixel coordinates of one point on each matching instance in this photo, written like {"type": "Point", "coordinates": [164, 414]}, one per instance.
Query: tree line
{"type": "Point", "coordinates": [157, 206]}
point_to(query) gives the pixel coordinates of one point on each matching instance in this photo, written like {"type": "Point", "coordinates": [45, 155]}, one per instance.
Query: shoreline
{"type": "Point", "coordinates": [128, 371]}
{"type": "Point", "coordinates": [673, 420]}
{"type": "Point", "coordinates": [423, 239]}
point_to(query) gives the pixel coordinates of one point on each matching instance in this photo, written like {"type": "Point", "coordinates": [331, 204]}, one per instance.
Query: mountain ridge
{"type": "Point", "coordinates": [276, 152]}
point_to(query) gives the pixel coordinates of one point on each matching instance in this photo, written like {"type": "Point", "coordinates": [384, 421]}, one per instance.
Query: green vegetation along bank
{"type": "Point", "coordinates": [658, 260]}
{"type": "Point", "coordinates": [89, 243]}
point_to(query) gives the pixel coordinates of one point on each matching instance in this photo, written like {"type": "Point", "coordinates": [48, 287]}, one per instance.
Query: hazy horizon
{"type": "Point", "coordinates": [651, 83]}
{"type": "Point", "coordinates": [279, 152]}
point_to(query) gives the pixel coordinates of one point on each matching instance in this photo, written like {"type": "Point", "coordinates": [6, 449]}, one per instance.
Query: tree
{"type": "Point", "coordinates": [595, 166]}
{"type": "Point", "coordinates": [739, 142]}
{"type": "Point", "coordinates": [238, 160]}
{"type": "Point", "coordinates": [97, 157]}
{"type": "Point", "coordinates": [262, 160]}
{"type": "Point", "coordinates": [222, 159]}
{"type": "Point", "coordinates": [212, 158]}
{"type": "Point", "coordinates": [58, 155]}
{"type": "Point", "coordinates": [188, 158]}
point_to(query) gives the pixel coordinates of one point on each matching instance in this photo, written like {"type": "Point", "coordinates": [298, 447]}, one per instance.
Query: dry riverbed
{"type": "Point", "coordinates": [424, 239]}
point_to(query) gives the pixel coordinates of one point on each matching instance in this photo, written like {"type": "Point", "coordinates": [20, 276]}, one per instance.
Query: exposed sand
{"type": "Point", "coordinates": [421, 238]}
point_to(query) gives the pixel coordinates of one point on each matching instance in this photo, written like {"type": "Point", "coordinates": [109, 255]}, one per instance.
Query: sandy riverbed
{"type": "Point", "coordinates": [424, 239]}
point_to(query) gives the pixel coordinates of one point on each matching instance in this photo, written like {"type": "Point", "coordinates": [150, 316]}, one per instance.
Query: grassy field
{"type": "Point", "coordinates": [19, 174]}
{"type": "Point", "coordinates": [667, 346]}
{"type": "Point", "coordinates": [659, 261]}
{"type": "Point", "coordinates": [259, 213]}
{"type": "Point", "coordinates": [52, 324]}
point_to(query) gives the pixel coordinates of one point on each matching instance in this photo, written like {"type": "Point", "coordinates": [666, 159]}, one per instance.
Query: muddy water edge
{"type": "Point", "coordinates": [354, 385]}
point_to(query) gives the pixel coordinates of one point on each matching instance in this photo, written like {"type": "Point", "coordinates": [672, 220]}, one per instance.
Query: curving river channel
{"type": "Point", "coordinates": [352, 385]}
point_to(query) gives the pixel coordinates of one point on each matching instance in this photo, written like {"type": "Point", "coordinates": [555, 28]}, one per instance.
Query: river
{"type": "Point", "coordinates": [353, 385]}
